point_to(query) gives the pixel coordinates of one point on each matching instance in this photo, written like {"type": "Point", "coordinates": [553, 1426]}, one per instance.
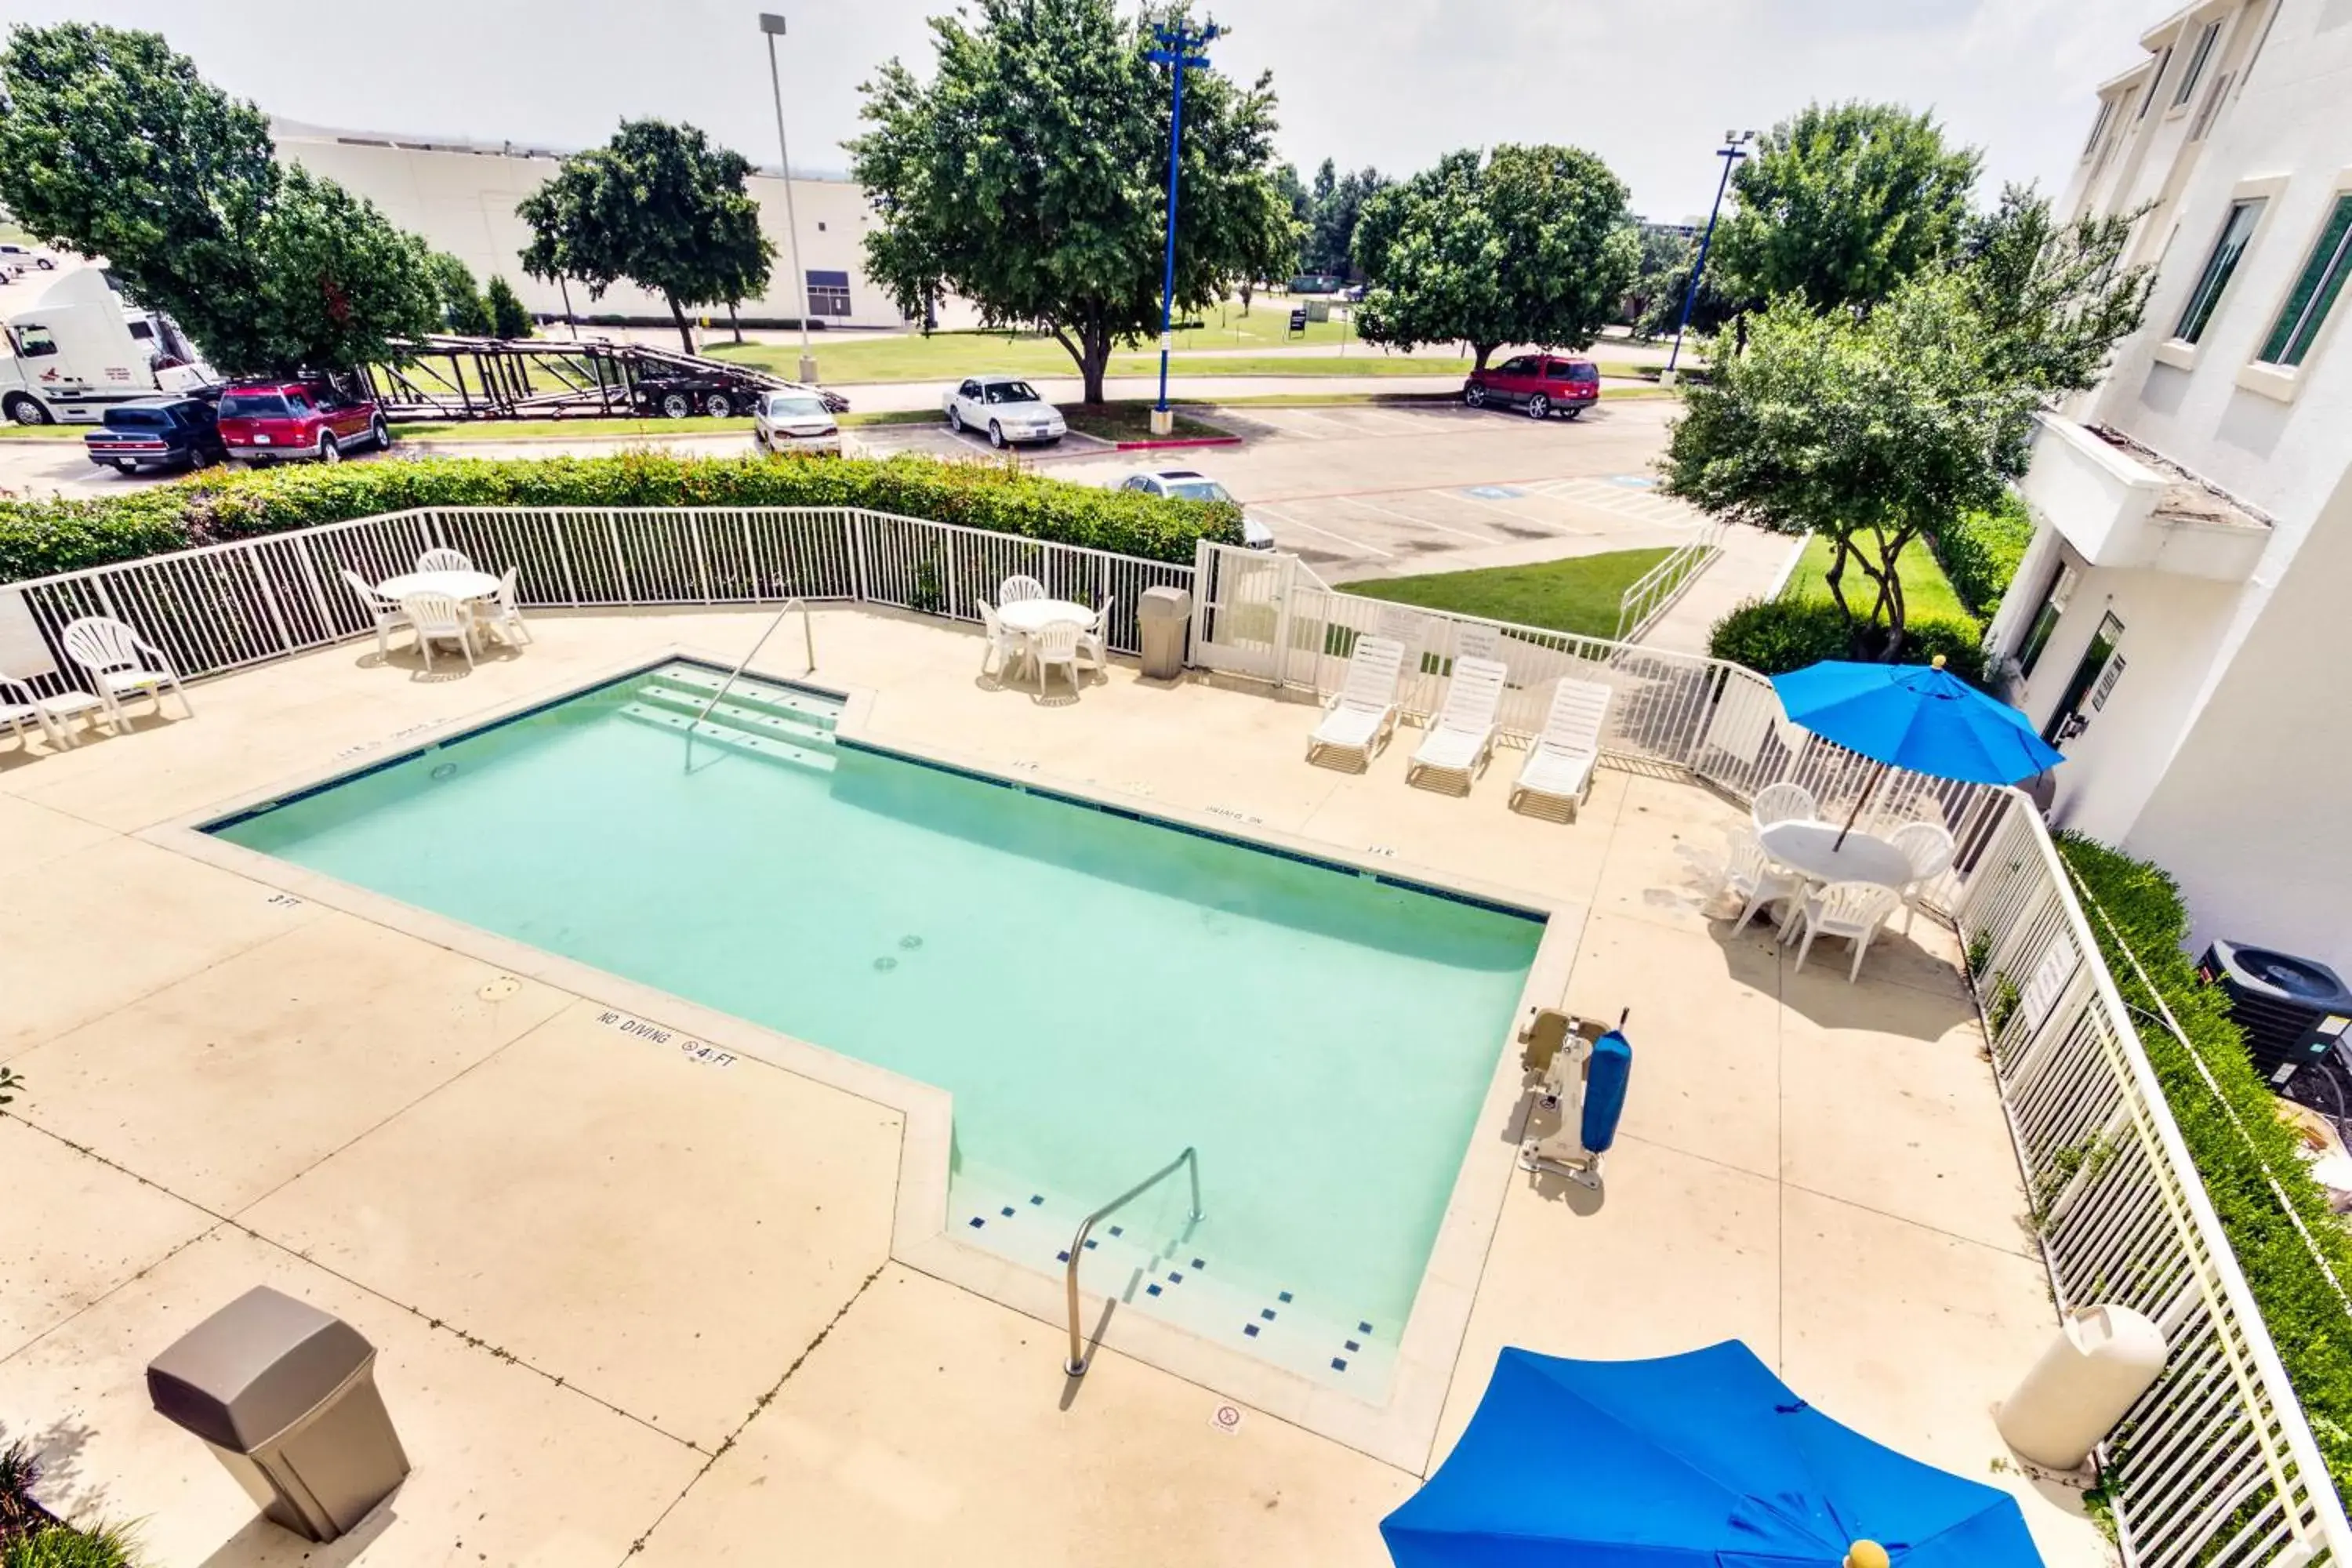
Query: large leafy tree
{"type": "Point", "coordinates": [1335, 205]}
{"type": "Point", "coordinates": [658, 206]}
{"type": "Point", "coordinates": [463, 308]}
{"type": "Point", "coordinates": [112, 145]}
{"type": "Point", "coordinates": [1528, 245]}
{"type": "Point", "coordinates": [1842, 202]}
{"type": "Point", "coordinates": [1028, 175]}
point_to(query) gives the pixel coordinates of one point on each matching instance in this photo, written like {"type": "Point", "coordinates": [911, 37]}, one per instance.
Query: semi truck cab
{"type": "Point", "coordinates": [80, 350]}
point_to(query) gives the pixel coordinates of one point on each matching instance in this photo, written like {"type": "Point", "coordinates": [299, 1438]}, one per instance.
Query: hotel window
{"type": "Point", "coordinates": [2046, 618]}
{"type": "Point", "coordinates": [2235, 232]}
{"type": "Point", "coordinates": [2099, 126]}
{"type": "Point", "coordinates": [2315, 291]}
{"type": "Point", "coordinates": [2198, 57]}
{"type": "Point", "coordinates": [2155, 80]}
{"type": "Point", "coordinates": [2204, 121]}
{"type": "Point", "coordinates": [828, 293]}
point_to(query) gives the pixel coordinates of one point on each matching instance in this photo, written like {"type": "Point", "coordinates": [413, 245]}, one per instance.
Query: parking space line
{"type": "Point", "coordinates": [1352, 543]}
{"type": "Point", "coordinates": [1416, 522]}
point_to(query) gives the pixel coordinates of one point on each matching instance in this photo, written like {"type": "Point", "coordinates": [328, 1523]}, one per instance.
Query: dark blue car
{"type": "Point", "coordinates": [181, 433]}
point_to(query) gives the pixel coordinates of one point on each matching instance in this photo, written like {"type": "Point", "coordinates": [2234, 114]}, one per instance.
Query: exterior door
{"type": "Point", "coordinates": [1516, 380]}
{"type": "Point", "coordinates": [1242, 609]}
{"type": "Point", "coordinates": [2072, 714]}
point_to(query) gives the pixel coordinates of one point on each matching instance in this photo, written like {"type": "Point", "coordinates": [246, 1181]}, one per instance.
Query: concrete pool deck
{"type": "Point", "coordinates": [627, 1297]}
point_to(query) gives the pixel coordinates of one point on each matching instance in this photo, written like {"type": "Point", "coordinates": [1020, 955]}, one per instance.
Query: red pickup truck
{"type": "Point", "coordinates": [1538, 385]}
{"type": "Point", "coordinates": [269, 421]}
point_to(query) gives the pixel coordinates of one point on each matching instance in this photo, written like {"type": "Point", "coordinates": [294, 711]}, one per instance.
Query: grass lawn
{"type": "Point", "coordinates": [1580, 594]}
{"type": "Point", "coordinates": [1926, 590]}
{"type": "Point", "coordinates": [43, 432]}
{"type": "Point", "coordinates": [510, 429]}
{"type": "Point", "coordinates": [1131, 421]}
{"type": "Point", "coordinates": [943, 356]}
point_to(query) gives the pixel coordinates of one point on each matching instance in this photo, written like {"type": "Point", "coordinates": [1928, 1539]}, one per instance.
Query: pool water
{"type": "Point", "coordinates": [1096, 990]}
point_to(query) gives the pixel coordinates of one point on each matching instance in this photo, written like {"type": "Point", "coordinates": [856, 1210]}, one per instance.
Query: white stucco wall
{"type": "Point", "coordinates": [464, 203]}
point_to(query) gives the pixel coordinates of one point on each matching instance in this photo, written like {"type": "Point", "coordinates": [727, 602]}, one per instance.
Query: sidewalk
{"type": "Point", "coordinates": [1748, 568]}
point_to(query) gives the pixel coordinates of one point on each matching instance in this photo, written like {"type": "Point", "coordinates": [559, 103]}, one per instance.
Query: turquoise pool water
{"type": "Point", "coordinates": [1096, 990]}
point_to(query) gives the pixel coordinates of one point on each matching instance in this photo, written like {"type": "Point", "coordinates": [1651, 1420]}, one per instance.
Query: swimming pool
{"type": "Point", "coordinates": [1097, 990]}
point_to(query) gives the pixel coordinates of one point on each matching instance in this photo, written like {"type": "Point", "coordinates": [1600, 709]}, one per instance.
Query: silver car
{"type": "Point", "coordinates": [795, 421]}
{"type": "Point", "coordinates": [1190, 484]}
{"type": "Point", "coordinates": [1006, 408]}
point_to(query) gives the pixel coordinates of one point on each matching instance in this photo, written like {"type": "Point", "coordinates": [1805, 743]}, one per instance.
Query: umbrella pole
{"type": "Point", "coordinates": [1868, 791]}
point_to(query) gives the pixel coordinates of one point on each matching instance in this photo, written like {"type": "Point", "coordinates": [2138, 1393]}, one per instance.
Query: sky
{"type": "Point", "coordinates": [1650, 85]}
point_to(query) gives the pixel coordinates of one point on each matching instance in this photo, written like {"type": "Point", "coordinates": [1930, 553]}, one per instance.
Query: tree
{"type": "Point", "coordinates": [2055, 298]}
{"type": "Point", "coordinates": [1841, 204]}
{"type": "Point", "coordinates": [1029, 175]}
{"type": "Point", "coordinates": [462, 309]}
{"type": "Point", "coordinates": [1711, 311]}
{"type": "Point", "coordinates": [509, 319]}
{"type": "Point", "coordinates": [1533, 245]}
{"type": "Point", "coordinates": [1335, 207]}
{"type": "Point", "coordinates": [1664, 262]}
{"type": "Point", "coordinates": [112, 145]}
{"type": "Point", "coordinates": [659, 206]}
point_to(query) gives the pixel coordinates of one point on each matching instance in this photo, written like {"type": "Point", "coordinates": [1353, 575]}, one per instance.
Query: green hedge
{"type": "Point", "coordinates": [1776, 636]}
{"type": "Point", "coordinates": [2307, 1322]}
{"type": "Point", "coordinates": [56, 534]}
{"type": "Point", "coordinates": [1981, 550]}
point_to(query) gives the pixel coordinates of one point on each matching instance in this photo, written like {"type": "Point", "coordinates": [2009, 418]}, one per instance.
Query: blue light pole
{"type": "Point", "coordinates": [1175, 51]}
{"type": "Point", "coordinates": [1734, 148]}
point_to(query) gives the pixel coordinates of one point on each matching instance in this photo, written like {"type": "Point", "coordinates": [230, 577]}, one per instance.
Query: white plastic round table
{"type": "Point", "coordinates": [455, 584]}
{"type": "Point", "coordinates": [1811, 848]}
{"type": "Point", "coordinates": [1029, 616]}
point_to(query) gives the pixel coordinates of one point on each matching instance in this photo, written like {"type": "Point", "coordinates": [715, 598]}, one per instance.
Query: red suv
{"type": "Point", "coordinates": [1538, 384]}
{"type": "Point", "coordinates": [265, 421]}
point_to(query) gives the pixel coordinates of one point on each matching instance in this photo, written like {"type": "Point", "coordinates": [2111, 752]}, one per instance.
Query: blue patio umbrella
{"type": "Point", "coordinates": [1919, 717]}
{"type": "Point", "coordinates": [1701, 1460]}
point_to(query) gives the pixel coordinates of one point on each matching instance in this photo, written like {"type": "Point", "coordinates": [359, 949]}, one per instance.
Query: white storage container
{"type": "Point", "coordinates": [2103, 1358]}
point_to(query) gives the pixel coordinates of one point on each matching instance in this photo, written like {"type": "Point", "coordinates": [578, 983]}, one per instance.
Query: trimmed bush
{"type": "Point", "coordinates": [2306, 1319]}
{"type": "Point", "coordinates": [55, 534]}
{"type": "Point", "coordinates": [1981, 550]}
{"type": "Point", "coordinates": [509, 319]}
{"type": "Point", "coordinates": [1774, 636]}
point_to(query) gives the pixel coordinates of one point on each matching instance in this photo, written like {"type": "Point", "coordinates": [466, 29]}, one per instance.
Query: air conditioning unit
{"type": "Point", "coordinates": [2293, 1010]}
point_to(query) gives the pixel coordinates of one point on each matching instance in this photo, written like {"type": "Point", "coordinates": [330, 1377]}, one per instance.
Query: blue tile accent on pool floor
{"type": "Point", "coordinates": [1151, 1289]}
{"type": "Point", "coordinates": [1250, 1329]}
{"type": "Point", "coordinates": [1337, 1364]}
{"type": "Point", "coordinates": [1267, 1312]}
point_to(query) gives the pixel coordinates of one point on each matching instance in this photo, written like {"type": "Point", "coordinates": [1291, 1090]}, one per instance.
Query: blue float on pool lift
{"type": "Point", "coordinates": [1582, 1072]}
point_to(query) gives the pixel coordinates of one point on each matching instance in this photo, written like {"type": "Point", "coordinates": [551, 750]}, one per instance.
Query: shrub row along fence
{"type": "Point", "coordinates": [2217, 1463]}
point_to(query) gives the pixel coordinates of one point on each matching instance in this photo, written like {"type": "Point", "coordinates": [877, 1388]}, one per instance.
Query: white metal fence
{"type": "Point", "coordinates": [1654, 593]}
{"type": "Point", "coordinates": [228, 605]}
{"type": "Point", "coordinates": [2217, 1463]}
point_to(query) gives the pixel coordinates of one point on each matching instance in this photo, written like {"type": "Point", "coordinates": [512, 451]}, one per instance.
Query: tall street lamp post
{"type": "Point", "coordinates": [1734, 148]}
{"type": "Point", "coordinates": [773, 27]}
{"type": "Point", "coordinates": [1176, 51]}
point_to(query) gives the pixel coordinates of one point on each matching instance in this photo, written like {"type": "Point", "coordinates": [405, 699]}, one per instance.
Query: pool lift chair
{"type": "Point", "coordinates": [1581, 1068]}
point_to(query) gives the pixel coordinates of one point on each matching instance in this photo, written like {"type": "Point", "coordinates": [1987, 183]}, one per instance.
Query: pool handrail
{"type": "Point", "coordinates": [1076, 1365]}
{"type": "Point", "coordinates": [808, 633]}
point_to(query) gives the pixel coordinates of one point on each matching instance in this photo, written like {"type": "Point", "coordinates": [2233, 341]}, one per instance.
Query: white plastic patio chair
{"type": "Point", "coordinates": [1094, 638]}
{"type": "Point", "coordinates": [121, 662]}
{"type": "Point", "coordinates": [1057, 644]}
{"type": "Point", "coordinates": [1462, 736]}
{"type": "Point", "coordinates": [1363, 714]}
{"type": "Point", "coordinates": [503, 614]}
{"type": "Point", "coordinates": [386, 613]}
{"type": "Point", "coordinates": [1005, 646]}
{"type": "Point", "coordinates": [441, 558]}
{"type": "Point", "coordinates": [17, 704]}
{"type": "Point", "coordinates": [1017, 589]}
{"type": "Point", "coordinates": [1756, 879]}
{"type": "Point", "coordinates": [1929, 849]}
{"type": "Point", "coordinates": [437, 617]}
{"type": "Point", "coordinates": [1559, 763]}
{"type": "Point", "coordinates": [1853, 910]}
{"type": "Point", "coordinates": [1783, 802]}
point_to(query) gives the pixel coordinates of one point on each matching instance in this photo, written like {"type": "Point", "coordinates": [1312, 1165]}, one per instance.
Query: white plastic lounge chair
{"type": "Point", "coordinates": [1853, 910]}
{"type": "Point", "coordinates": [1005, 646]}
{"type": "Point", "coordinates": [441, 558]}
{"type": "Point", "coordinates": [1360, 718]}
{"type": "Point", "coordinates": [503, 614]}
{"type": "Point", "coordinates": [437, 617]}
{"type": "Point", "coordinates": [1057, 644]}
{"type": "Point", "coordinates": [386, 613]}
{"type": "Point", "coordinates": [1559, 763]}
{"type": "Point", "coordinates": [1929, 850]}
{"type": "Point", "coordinates": [18, 704]}
{"type": "Point", "coordinates": [1784, 802]}
{"type": "Point", "coordinates": [120, 662]}
{"type": "Point", "coordinates": [1017, 589]}
{"type": "Point", "coordinates": [1094, 638]}
{"type": "Point", "coordinates": [1754, 880]}
{"type": "Point", "coordinates": [1463, 737]}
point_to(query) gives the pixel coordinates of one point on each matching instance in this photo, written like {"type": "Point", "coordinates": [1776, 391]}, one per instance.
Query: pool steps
{"type": "Point", "coordinates": [756, 718]}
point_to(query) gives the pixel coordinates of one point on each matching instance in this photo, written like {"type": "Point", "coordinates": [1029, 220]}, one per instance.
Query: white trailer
{"type": "Point", "coordinates": [80, 349]}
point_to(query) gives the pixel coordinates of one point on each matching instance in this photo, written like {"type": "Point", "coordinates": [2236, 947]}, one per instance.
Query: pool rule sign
{"type": "Point", "coordinates": [694, 1050]}
{"type": "Point", "coordinates": [1226, 1418]}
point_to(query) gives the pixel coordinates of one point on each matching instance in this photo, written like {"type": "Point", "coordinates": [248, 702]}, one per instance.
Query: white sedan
{"type": "Point", "coordinates": [1007, 407]}
{"type": "Point", "coordinates": [1190, 484]}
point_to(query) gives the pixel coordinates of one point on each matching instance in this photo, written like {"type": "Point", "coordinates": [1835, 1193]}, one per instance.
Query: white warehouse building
{"type": "Point", "coordinates": [460, 197]}
{"type": "Point", "coordinates": [2177, 625]}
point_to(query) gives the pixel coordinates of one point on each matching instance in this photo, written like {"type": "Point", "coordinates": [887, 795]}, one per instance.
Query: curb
{"type": "Point", "coordinates": [1189, 441]}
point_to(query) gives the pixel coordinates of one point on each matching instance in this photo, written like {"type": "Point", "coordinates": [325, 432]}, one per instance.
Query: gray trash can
{"type": "Point", "coordinates": [1162, 616]}
{"type": "Point", "coordinates": [285, 1395]}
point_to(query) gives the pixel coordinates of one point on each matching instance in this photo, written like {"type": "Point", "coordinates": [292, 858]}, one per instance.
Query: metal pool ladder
{"type": "Point", "coordinates": [1076, 1365]}
{"type": "Point", "coordinates": [808, 637]}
